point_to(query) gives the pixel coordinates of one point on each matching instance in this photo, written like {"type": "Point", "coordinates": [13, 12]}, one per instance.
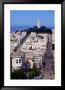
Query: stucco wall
{"type": "Point", "coordinates": [16, 65]}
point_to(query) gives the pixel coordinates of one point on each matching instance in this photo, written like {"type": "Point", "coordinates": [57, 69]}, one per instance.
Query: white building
{"type": "Point", "coordinates": [38, 61]}
{"type": "Point", "coordinates": [24, 33]}
{"type": "Point", "coordinates": [17, 60]}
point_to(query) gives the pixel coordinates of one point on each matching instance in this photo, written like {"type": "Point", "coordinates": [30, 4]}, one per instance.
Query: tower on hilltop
{"type": "Point", "coordinates": [38, 24]}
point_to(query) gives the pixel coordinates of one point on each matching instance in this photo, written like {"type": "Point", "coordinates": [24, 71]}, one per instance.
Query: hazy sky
{"type": "Point", "coordinates": [30, 17]}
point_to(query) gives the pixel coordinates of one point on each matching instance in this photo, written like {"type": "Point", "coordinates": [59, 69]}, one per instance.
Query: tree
{"type": "Point", "coordinates": [42, 27]}
{"type": "Point", "coordinates": [18, 74]}
{"type": "Point", "coordinates": [17, 31]}
{"type": "Point", "coordinates": [35, 28]}
{"type": "Point", "coordinates": [48, 31]}
{"type": "Point", "coordinates": [34, 72]}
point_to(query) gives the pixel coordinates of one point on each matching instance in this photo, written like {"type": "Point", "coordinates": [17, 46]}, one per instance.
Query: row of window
{"type": "Point", "coordinates": [18, 60]}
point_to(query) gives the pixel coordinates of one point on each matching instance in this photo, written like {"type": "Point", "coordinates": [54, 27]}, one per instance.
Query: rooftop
{"type": "Point", "coordinates": [17, 54]}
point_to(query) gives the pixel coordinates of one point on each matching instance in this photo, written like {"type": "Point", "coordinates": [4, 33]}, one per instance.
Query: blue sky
{"type": "Point", "coordinates": [30, 17]}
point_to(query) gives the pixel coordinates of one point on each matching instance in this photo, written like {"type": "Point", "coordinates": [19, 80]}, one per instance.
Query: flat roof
{"type": "Point", "coordinates": [17, 54]}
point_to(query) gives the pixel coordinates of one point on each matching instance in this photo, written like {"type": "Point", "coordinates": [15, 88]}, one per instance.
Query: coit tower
{"type": "Point", "coordinates": [38, 24]}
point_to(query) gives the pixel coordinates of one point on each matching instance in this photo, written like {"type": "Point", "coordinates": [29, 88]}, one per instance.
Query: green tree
{"type": "Point", "coordinates": [33, 72]}
{"type": "Point", "coordinates": [18, 74]}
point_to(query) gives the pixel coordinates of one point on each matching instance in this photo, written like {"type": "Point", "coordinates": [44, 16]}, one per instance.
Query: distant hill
{"type": "Point", "coordinates": [42, 29]}
{"type": "Point", "coordinates": [21, 28]}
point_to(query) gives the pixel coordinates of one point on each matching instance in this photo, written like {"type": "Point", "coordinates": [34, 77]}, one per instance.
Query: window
{"type": "Point", "coordinates": [16, 60]}
{"type": "Point", "coordinates": [19, 60]}
{"type": "Point", "coordinates": [53, 46]}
